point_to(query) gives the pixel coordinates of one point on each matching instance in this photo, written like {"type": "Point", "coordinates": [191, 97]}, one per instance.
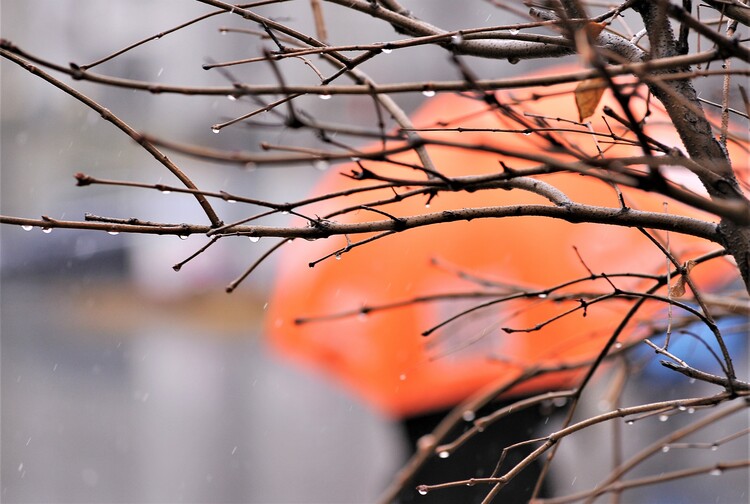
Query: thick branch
{"type": "Point", "coordinates": [573, 212]}
{"type": "Point", "coordinates": [732, 10]}
{"type": "Point", "coordinates": [696, 134]}
{"type": "Point", "coordinates": [512, 50]}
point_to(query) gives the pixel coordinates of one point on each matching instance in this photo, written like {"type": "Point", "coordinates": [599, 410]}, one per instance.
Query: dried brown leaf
{"type": "Point", "coordinates": [678, 288]}
{"type": "Point", "coordinates": [588, 94]}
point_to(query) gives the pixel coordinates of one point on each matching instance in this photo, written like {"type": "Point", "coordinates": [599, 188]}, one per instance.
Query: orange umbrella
{"type": "Point", "coordinates": [382, 355]}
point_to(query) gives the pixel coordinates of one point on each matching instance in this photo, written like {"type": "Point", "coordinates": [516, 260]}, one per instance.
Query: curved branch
{"type": "Point", "coordinates": [108, 116]}
{"type": "Point", "coordinates": [239, 89]}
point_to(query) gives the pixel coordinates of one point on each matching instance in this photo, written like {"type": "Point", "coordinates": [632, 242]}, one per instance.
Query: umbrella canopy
{"type": "Point", "coordinates": [328, 317]}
